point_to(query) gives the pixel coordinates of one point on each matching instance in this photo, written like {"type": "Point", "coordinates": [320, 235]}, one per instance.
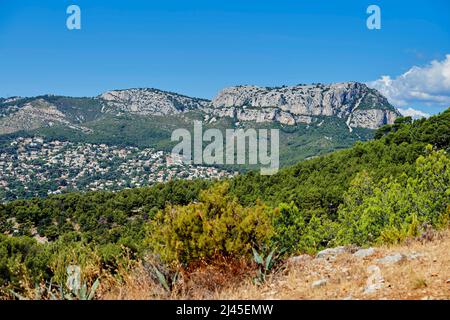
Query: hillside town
{"type": "Point", "coordinates": [31, 167]}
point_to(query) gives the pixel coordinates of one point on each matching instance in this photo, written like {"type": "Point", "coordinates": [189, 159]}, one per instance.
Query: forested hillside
{"type": "Point", "coordinates": [381, 191]}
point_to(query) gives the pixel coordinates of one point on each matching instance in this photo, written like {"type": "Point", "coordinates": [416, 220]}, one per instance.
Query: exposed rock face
{"type": "Point", "coordinates": [372, 118]}
{"type": "Point", "coordinates": [355, 102]}
{"type": "Point", "coordinates": [151, 101]}
{"type": "Point", "coordinates": [33, 115]}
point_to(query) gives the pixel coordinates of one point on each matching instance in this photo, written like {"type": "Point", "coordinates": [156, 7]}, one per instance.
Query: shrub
{"type": "Point", "coordinates": [289, 227]}
{"type": "Point", "coordinates": [217, 225]}
{"type": "Point", "coordinates": [302, 231]}
{"type": "Point", "coordinates": [66, 254]}
{"type": "Point", "coordinates": [22, 261]}
{"type": "Point", "coordinates": [393, 209]}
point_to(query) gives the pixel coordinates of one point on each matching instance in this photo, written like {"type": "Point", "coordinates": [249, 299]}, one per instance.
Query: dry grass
{"type": "Point", "coordinates": [199, 281]}
{"type": "Point", "coordinates": [425, 277]}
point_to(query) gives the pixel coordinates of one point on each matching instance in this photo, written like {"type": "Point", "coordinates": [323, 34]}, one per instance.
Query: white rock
{"type": "Point", "coordinates": [319, 283]}
{"type": "Point", "coordinates": [147, 101]}
{"type": "Point", "coordinates": [363, 253]}
{"type": "Point", "coordinates": [392, 259]}
{"type": "Point", "coordinates": [330, 253]}
{"type": "Point", "coordinates": [299, 259]}
{"type": "Point", "coordinates": [375, 281]}
{"type": "Point", "coordinates": [414, 255]}
{"type": "Point", "coordinates": [287, 104]}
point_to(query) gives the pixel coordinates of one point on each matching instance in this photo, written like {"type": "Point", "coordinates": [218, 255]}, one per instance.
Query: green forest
{"type": "Point", "coordinates": [385, 190]}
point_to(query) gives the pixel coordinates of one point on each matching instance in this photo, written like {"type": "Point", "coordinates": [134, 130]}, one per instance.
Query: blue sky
{"type": "Point", "coordinates": [198, 47]}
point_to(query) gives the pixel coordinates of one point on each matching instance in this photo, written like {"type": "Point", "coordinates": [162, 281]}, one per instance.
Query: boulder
{"type": "Point", "coordinates": [392, 259]}
{"type": "Point", "coordinates": [364, 253]}
{"type": "Point", "coordinates": [331, 253]}
{"type": "Point", "coordinates": [375, 281]}
{"type": "Point", "coordinates": [414, 255]}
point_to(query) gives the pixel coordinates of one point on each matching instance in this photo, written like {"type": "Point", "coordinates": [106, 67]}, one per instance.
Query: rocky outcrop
{"type": "Point", "coordinates": [392, 259]}
{"type": "Point", "coordinates": [364, 253]}
{"type": "Point", "coordinates": [150, 102]}
{"type": "Point", "coordinates": [375, 281]}
{"type": "Point", "coordinates": [33, 115]}
{"type": "Point", "coordinates": [372, 118]}
{"type": "Point", "coordinates": [331, 253]}
{"type": "Point", "coordinates": [352, 101]}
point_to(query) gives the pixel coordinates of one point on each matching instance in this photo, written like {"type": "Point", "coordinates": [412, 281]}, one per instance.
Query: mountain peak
{"type": "Point", "coordinates": [150, 101]}
{"type": "Point", "coordinates": [354, 101]}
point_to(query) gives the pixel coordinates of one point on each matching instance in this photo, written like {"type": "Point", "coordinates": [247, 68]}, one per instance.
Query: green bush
{"type": "Point", "coordinates": [289, 227]}
{"type": "Point", "coordinates": [319, 234]}
{"type": "Point", "coordinates": [22, 261]}
{"type": "Point", "coordinates": [217, 224]}
{"type": "Point", "coordinates": [393, 209]}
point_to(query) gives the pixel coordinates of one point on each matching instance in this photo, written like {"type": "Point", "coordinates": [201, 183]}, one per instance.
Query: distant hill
{"type": "Point", "coordinates": [314, 119]}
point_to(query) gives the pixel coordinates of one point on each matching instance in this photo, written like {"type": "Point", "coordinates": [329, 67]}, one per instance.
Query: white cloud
{"type": "Point", "coordinates": [413, 113]}
{"type": "Point", "coordinates": [428, 85]}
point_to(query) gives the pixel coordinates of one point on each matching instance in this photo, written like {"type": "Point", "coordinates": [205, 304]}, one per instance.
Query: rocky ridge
{"type": "Point", "coordinates": [150, 102]}
{"type": "Point", "coordinates": [34, 115]}
{"type": "Point", "coordinates": [354, 103]}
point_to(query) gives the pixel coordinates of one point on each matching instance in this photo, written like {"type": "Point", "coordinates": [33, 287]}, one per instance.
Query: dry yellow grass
{"type": "Point", "coordinates": [200, 281]}
{"type": "Point", "coordinates": [425, 277]}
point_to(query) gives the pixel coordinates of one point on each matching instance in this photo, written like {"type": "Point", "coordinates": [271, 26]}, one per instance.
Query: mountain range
{"type": "Point", "coordinates": [313, 118]}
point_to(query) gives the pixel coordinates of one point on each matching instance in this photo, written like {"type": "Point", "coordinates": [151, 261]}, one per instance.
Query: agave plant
{"type": "Point", "coordinates": [265, 265]}
{"type": "Point", "coordinates": [71, 291]}
{"type": "Point", "coordinates": [83, 293]}
{"type": "Point", "coordinates": [39, 293]}
{"type": "Point", "coordinates": [59, 293]}
{"type": "Point", "coordinates": [168, 282]}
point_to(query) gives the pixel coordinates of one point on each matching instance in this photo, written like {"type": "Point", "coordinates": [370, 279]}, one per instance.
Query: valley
{"type": "Point", "coordinates": [34, 167]}
{"type": "Point", "coordinates": [312, 120]}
